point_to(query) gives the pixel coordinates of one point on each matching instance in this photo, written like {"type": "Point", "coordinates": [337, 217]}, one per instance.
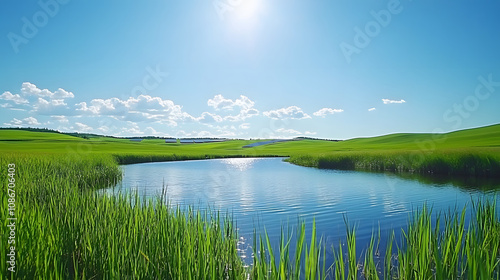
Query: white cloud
{"type": "Point", "coordinates": [207, 117]}
{"type": "Point", "coordinates": [244, 126]}
{"type": "Point", "coordinates": [81, 127]}
{"type": "Point", "coordinates": [31, 89]}
{"type": "Point", "coordinates": [245, 105]}
{"type": "Point", "coordinates": [205, 134]}
{"type": "Point", "coordinates": [61, 119]}
{"type": "Point", "coordinates": [40, 101]}
{"type": "Point", "coordinates": [28, 88]}
{"type": "Point", "coordinates": [51, 107]}
{"type": "Point", "coordinates": [327, 111]}
{"type": "Point", "coordinates": [288, 131]}
{"type": "Point", "coordinates": [182, 134]}
{"type": "Point", "coordinates": [389, 101]}
{"type": "Point", "coordinates": [310, 133]}
{"type": "Point", "coordinates": [219, 102]}
{"type": "Point", "coordinates": [243, 115]}
{"type": "Point", "coordinates": [103, 129]}
{"type": "Point", "coordinates": [16, 98]}
{"type": "Point", "coordinates": [24, 122]}
{"type": "Point", "coordinates": [142, 108]}
{"type": "Point", "coordinates": [292, 112]}
{"type": "Point", "coordinates": [31, 121]}
{"type": "Point", "coordinates": [150, 131]}
{"type": "Point", "coordinates": [225, 133]}
{"type": "Point", "coordinates": [61, 93]}
{"type": "Point", "coordinates": [372, 109]}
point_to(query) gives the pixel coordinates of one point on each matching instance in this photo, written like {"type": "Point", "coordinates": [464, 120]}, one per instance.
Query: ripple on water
{"type": "Point", "coordinates": [271, 194]}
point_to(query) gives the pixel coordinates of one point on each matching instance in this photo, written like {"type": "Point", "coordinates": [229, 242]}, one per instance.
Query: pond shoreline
{"type": "Point", "coordinates": [457, 163]}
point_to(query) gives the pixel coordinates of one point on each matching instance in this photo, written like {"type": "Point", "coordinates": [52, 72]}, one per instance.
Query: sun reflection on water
{"type": "Point", "coordinates": [240, 164]}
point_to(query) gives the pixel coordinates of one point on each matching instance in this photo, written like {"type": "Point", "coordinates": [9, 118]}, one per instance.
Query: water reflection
{"type": "Point", "coordinates": [465, 183]}
{"type": "Point", "coordinates": [270, 193]}
{"type": "Point", "coordinates": [240, 164]}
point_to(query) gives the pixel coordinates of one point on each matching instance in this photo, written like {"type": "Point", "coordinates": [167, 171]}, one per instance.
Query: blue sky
{"type": "Point", "coordinates": [250, 68]}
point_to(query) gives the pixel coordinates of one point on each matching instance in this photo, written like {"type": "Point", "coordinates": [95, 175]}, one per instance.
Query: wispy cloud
{"type": "Point", "coordinates": [288, 131]}
{"type": "Point", "coordinates": [389, 101]}
{"type": "Point", "coordinates": [292, 112]}
{"type": "Point", "coordinates": [83, 127]}
{"type": "Point", "coordinates": [207, 117]}
{"type": "Point", "coordinates": [327, 111]}
{"type": "Point", "coordinates": [29, 121]}
{"type": "Point", "coordinates": [219, 102]}
{"type": "Point", "coordinates": [61, 119]}
{"type": "Point", "coordinates": [372, 109]}
{"type": "Point", "coordinates": [244, 126]}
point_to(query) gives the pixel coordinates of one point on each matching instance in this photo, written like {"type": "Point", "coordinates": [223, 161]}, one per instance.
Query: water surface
{"type": "Point", "coordinates": [270, 193]}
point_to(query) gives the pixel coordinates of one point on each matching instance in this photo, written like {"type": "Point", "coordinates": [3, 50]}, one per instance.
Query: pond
{"type": "Point", "coordinates": [271, 193]}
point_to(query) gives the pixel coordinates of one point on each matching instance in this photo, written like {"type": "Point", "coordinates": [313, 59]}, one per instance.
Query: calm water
{"type": "Point", "coordinates": [269, 193]}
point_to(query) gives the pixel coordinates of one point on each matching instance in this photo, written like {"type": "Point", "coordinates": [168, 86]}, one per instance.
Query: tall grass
{"type": "Point", "coordinates": [426, 250]}
{"type": "Point", "coordinates": [444, 162]}
{"type": "Point", "coordinates": [67, 230]}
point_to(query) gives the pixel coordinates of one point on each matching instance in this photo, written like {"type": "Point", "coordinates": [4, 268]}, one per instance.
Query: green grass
{"type": "Point", "coordinates": [467, 162]}
{"type": "Point", "coordinates": [68, 230]}
{"type": "Point", "coordinates": [472, 152]}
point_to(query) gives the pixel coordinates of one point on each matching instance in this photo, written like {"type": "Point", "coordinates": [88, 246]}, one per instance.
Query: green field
{"type": "Point", "coordinates": [65, 229]}
{"type": "Point", "coordinates": [472, 152]}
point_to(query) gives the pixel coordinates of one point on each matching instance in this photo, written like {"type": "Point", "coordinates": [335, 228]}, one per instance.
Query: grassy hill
{"type": "Point", "coordinates": [471, 151]}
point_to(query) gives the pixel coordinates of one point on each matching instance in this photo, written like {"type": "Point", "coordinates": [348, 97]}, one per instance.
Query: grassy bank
{"type": "Point", "coordinates": [444, 162]}
{"type": "Point", "coordinates": [67, 230]}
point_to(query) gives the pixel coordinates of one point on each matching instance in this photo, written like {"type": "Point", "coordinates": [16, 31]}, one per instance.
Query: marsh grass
{"type": "Point", "coordinates": [67, 230]}
{"type": "Point", "coordinates": [443, 162]}
{"type": "Point", "coordinates": [427, 250]}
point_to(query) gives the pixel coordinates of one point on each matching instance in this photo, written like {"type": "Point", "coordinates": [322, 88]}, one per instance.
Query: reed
{"type": "Point", "coordinates": [443, 162]}
{"type": "Point", "coordinates": [67, 230]}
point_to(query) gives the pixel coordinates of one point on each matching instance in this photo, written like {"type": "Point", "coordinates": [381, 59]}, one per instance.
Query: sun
{"type": "Point", "coordinates": [247, 10]}
{"type": "Point", "coordinates": [246, 13]}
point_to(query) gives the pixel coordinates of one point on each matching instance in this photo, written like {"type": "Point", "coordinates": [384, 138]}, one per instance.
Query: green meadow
{"type": "Point", "coordinates": [67, 229]}
{"type": "Point", "coordinates": [472, 152]}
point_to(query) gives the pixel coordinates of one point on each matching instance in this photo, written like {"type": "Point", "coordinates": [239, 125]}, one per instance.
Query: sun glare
{"type": "Point", "coordinates": [247, 10]}
{"type": "Point", "coordinates": [246, 13]}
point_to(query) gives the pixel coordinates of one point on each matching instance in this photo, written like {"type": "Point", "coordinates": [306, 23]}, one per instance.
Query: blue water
{"type": "Point", "coordinates": [270, 193]}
